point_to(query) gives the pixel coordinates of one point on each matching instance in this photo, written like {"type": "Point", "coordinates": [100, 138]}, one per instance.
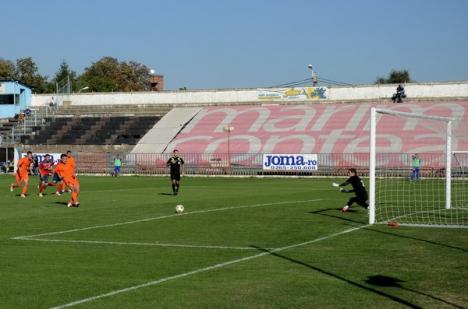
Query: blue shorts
{"type": "Point", "coordinates": [44, 178]}
{"type": "Point", "coordinates": [56, 178]}
{"type": "Point", "coordinates": [117, 169]}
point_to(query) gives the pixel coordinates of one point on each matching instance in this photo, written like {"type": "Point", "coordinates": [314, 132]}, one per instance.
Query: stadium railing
{"type": "Point", "coordinates": [245, 164]}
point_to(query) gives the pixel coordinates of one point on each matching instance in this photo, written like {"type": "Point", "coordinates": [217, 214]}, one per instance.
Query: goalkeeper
{"type": "Point", "coordinates": [359, 190]}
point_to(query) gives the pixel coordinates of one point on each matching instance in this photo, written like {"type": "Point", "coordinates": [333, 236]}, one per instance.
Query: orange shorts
{"type": "Point", "coordinates": [21, 177]}
{"type": "Point", "coordinates": [71, 182]}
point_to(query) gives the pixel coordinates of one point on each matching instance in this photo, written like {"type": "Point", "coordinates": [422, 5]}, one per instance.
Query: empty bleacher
{"type": "Point", "coordinates": [94, 130]}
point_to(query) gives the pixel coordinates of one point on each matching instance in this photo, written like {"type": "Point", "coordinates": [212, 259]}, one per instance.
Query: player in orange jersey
{"type": "Point", "coordinates": [22, 173]}
{"type": "Point", "coordinates": [66, 172]}
{"type": "Point", "coordinates": [71, 160]}
{"type": "Point", "coordinates": [61, 184]}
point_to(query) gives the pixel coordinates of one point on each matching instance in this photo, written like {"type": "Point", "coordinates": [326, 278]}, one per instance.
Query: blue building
{"type": "Point", "coordinates": [14, 97]}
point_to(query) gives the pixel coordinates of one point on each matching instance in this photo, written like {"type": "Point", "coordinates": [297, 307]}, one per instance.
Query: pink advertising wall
{"type": "Point", "coordinates": [320, 128]}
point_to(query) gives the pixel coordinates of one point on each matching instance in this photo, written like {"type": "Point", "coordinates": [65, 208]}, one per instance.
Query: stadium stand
{"type": "Point", "coordinates": [92, 130]}
{"type": "Point", "coordinates": [317, 128]}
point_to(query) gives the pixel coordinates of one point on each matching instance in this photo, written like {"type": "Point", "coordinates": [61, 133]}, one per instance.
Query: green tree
{"type": "Point", "coordinates": [134, 76]}
{"type": "Point", "coordinates": [108, 74]}
{"type": "Point", "coordinates": [64, 72]}
{"type": "Point", "coordinates": [7, 69]}
{"type": "Point", "coordinates": [27, 72]}
{"type": "Point", "coordinates": [395, 77]}
{"type": "Point", "coordinates": [102, 75]}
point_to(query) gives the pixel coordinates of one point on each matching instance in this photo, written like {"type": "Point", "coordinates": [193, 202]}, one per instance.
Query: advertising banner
{"type": "Point", "coordinates": [302, 93]}
{"type": "Point", "coordinates": [290, 162]}
{"type": "Point", "coordinates": [40, 156]}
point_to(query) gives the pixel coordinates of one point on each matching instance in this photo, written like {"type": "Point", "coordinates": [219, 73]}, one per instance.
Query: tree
{"type": "Point", "coordinates": [27, 72]}
{"type": "Point", "coordinates": [62, 75]}
{"type": "Point", "coordinates": [395, 77]}
{"type": "Point", "coordinates": [108, 74]}
{"type": "Point", "coordinates": [7, 69]}
{"type": "Point", "coordinates": [134, 76]}
{"type": "Point", "coordinates": [102, 75]}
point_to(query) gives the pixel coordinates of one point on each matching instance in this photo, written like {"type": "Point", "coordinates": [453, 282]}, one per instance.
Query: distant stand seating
{"type": "Point", "coordinates": [117, 130]}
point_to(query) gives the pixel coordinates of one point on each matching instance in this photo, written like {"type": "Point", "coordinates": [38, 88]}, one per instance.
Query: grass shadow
{"type": "Point", "coordinates": [387, 281]}
{"type": "Point", "coordinates": [61, 203]}
{"type": "Point", "coordinates": [341, 278]}
{"type": "Point", "coordinates": [323, 212]}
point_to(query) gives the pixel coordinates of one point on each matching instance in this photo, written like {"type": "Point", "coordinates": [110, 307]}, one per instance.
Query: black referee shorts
{"type": "Point", "coordinates": [175, 176]}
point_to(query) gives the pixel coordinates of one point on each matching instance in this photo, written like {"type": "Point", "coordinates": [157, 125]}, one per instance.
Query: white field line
{"type": "Point", "coordinates": [142, 244]}
{"type": "Point", "coordinates": [163, 217]}
{"type": "Point", "coordinates": [200, 270]}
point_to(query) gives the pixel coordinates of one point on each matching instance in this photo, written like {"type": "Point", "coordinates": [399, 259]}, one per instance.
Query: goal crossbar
{"type": "Point", "coordinates": [411, 115]}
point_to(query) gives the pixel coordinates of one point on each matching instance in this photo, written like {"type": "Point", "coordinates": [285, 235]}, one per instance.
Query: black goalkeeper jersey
{"type": "Point", "coordinates": [357, 184]}
{"type": "Point", "coordinates": [175, 163]}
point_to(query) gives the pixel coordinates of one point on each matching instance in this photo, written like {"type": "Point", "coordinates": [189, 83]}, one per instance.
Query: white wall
{"type": "Point", "coordinates": [445, 90]}
{"type": "Point", "coordinates": [439, 90]}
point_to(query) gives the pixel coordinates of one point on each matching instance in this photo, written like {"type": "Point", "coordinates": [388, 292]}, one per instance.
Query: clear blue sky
{"type": "Point", "coordinates": [244, 43]}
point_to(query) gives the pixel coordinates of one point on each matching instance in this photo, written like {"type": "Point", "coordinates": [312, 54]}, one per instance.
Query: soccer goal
{"type": "Point", "coordinates": [419, 189]}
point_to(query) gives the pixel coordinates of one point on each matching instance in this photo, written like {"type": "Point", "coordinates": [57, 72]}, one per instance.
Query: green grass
{"type": "Point", "coordinates": [373, 266]}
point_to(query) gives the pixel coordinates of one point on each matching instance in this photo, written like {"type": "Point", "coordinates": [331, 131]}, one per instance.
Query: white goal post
{"type": "Point", "coordinates": [372, 156]}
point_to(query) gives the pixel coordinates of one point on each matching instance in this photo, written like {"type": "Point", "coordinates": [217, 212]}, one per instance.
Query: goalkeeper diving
{"type": "Point", "coordinates": [359, 190]}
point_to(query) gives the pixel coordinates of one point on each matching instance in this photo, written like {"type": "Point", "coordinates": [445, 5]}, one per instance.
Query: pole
{"type": "Point", "coordinates": [229, 148]}
{"type": "Point", "coordinates": [228, 129]}
{"type": "Point", "coordinates": [372, 137]}
{"type": "Point", "coordinates": [448, 169]}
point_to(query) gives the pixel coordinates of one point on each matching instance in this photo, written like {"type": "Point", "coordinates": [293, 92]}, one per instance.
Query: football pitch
{"type": "Point", "coordinates": [240, 243]}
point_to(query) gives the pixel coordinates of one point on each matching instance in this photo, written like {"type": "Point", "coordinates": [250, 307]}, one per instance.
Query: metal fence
{"type": "Point", "coordinates": [245, 164]}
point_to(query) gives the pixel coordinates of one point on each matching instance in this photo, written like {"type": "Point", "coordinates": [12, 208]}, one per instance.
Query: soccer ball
{"type": "Point", "coordinates": [179, 209]}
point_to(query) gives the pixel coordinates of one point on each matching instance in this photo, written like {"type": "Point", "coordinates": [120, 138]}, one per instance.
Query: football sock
{"type": "Point", "coordinates": [173, 188]}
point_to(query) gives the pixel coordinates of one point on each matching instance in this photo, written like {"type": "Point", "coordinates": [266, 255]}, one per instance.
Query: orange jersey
{"type": "Point", "coordinates": [71, 162]}
{"type": "Point", "coordinates": [24, 165]}
{"type": "Point", "coordinates": [65, 170]}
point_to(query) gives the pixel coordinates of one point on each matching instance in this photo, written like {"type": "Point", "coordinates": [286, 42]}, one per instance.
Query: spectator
{"type": "Point", "coordinates": [21, 117]}
{"type": "Point", "coordinates": [117, 166]}
{"type": "Point", "coordinates": [415, 165]}
{"type": "Point", "coordinates": [399, 95]}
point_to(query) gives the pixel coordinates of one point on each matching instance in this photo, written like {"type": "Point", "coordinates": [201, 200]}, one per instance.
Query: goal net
{"type": "Point", "coordinates": [426, 185]}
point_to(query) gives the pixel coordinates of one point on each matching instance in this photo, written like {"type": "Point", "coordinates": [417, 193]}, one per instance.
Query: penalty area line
{"type": "Point", "coordinates": [158, 244]}
{"type": "Point", "coordinates": [200, 270]}
{"type": "Point", "coordinates": [163, 217]}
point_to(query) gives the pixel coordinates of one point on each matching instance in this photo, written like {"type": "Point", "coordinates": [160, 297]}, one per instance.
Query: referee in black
{"type": "Point", "coordinates": [359, 190]}
{"type": "Point", "coordinates": [175, 163]}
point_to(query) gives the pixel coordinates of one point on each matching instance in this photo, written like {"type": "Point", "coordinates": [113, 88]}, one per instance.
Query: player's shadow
{"type": "Point", "coordinates": [341, 278]}
{"type": "Point", "coordinates": [61, 203]}
{"type": "Point", "coordinates": [325, 212]}
{"type": "Point", "coordinates": [387, 281]}
{"type": "Point", "coordinates": [164, 193]}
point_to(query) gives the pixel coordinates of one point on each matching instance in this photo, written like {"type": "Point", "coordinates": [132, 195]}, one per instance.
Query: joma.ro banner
{"type": "Point", "coordinates": [290, 162]}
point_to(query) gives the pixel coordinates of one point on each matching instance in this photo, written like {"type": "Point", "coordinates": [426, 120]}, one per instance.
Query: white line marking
{"type": "Point", "coordinates": [216, 266]}
{"type": "Point", "coordinates": [159, 244]}
{"type": "Point", "coordinates": [162, 217]}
